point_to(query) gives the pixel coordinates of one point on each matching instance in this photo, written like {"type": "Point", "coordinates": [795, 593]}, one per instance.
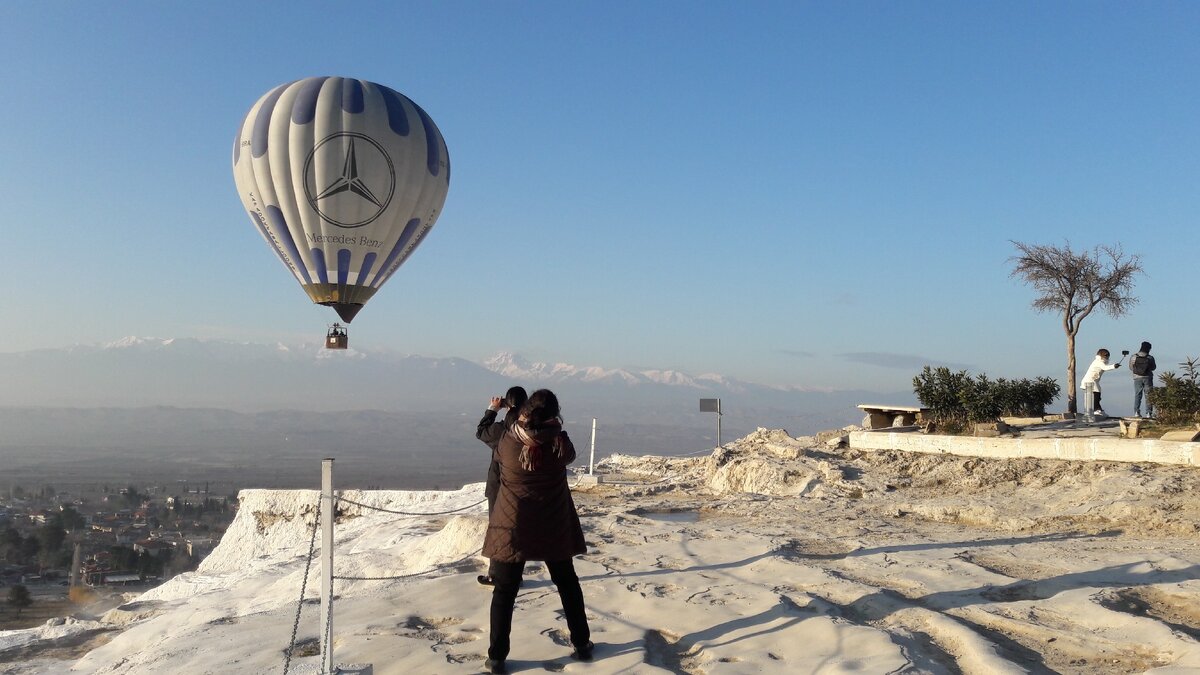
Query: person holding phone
{"type": "Point", "coordinates": [535, 519]}
{"type": "Point", "coordinates": [489, 431]}
{"type": "Point", "coordinates": [1091, 383]}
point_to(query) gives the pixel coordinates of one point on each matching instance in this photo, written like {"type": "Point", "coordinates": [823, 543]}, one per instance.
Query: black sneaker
{"type": "Point", "coordinates": [485, 580]}
{"type": "Point", "coordinates": [494, 666]}
{"type": "Point", "coordinates": [584, 652]}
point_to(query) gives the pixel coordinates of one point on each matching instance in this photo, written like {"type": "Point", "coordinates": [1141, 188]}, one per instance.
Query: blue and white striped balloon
{"type": "Point", "coordinates": [343, 178]}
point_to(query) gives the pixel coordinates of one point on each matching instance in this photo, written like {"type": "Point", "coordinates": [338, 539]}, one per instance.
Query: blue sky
{"type": "Point", "coordinates": [809, 194]}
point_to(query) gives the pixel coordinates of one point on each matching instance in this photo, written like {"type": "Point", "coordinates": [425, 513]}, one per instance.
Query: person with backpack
{"type": "Point", "coordinates": [1141, 367]}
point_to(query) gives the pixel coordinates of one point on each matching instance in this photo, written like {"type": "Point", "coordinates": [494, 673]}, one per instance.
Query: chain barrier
{"type": "Point", "coordinates": [437, 568]}
{"type": "Point", "coordinates": [630, 482]}
{"type": "Point", "coordinates": [312, 547]}
{"type": "Point", "coordinates": [408, 513]}
{"type": "Point", "coordinates": [327, 636]}
{"type": "Point", "coordinates": [618, 482]}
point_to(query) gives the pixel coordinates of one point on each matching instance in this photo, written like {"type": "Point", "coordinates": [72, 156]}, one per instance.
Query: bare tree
{"type": "Point", "coordinates": [1075, 283]}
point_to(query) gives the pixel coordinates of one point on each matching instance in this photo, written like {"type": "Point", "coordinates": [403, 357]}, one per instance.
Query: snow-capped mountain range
{"type": "Point", "coordinates": [250, 378]}
{"type": "Point", "coordinates": [519, 368]}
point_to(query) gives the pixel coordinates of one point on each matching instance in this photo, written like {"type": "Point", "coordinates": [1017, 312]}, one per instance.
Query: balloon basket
{"type": "Point", "coordinates": [337, 337]}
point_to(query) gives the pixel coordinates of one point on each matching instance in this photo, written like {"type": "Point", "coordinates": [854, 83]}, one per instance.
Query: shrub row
{"type": "Point", "coordinates": [957, 398]}
{"type": "Point", "coordinates": [1176, 399]}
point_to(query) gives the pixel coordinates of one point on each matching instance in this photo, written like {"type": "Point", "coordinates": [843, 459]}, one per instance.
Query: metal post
{"type": "Point", "coordinates": [713, 405]}
{"type": "Point", "coordinates": [592, 459]}
{"type": "Point", "coordinates": [327, 515]}
{"type": "Point", "coordinates": [718, 423]}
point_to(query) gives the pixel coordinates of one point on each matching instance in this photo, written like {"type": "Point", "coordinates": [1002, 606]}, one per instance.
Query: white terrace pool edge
{"type": "Point", "coordinates": [1090, 448]}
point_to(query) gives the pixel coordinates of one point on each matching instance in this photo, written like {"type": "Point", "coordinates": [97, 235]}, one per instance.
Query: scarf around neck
{"type": "Point", "coordinates": [531, 445]}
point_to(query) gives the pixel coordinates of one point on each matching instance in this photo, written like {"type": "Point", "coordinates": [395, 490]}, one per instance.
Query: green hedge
{"type": "Point", "coordinates": [957, 398]}
{"type": "Point", "coordinates": [1176, 400]}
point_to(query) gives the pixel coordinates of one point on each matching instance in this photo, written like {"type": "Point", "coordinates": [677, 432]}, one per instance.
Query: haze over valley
{"type": "Point", "coordinates": [255, 415]}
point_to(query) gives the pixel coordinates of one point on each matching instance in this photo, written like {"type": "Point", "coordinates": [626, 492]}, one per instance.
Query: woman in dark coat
{"type": "Point", "coordinates": [535, 519]}
{"type": "Point", "coordinates": [489, 431]}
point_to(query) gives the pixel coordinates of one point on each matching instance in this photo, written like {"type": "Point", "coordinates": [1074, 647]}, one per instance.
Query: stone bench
{"type": "Point", "coordinates": [1130, 426]}
{"type": "Point", "coordinates": [890, 416]}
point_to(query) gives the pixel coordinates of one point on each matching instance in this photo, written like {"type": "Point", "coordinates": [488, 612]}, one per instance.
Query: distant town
{"type": "Point", "coordinates": [62, 548]}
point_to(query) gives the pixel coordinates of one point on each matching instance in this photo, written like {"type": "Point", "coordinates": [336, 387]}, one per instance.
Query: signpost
{"type": "Point", "coordinates": [713, 405]}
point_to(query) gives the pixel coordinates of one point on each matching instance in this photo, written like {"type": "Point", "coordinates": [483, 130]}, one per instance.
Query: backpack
{"type": "Point", "coordinates": [1138, 364]}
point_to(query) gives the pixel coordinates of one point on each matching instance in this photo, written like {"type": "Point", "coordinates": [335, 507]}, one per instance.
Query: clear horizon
{"type": "Point", "coordinates": [810, 195]}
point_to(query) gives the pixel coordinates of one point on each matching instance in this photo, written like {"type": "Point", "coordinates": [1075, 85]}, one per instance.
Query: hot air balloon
{"type": "Point", "coordinates": [343, 178]}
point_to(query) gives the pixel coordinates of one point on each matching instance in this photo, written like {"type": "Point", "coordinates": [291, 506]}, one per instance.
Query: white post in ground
{"type": "Point", "coordinates": [592, 459]}
{"type": "Point", "coordinates": [328, 512]}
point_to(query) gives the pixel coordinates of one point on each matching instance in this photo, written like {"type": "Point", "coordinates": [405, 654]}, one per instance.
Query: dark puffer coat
{"type": "Point", "coordinates": [534, 517]}
{"type": "Point", "coordinates": [490, 432]}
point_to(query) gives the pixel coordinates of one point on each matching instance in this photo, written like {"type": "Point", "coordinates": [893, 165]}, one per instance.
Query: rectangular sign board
{"type": "Point", "coordinates": [710, 405]}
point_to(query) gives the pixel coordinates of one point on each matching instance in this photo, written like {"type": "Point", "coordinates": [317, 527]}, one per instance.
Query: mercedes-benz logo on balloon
{"type": "Point", "coordinates": [349, 179]}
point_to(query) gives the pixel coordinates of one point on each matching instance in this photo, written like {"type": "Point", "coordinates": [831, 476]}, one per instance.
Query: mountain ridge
{"type": "Point", "coordinates": [253, 393]}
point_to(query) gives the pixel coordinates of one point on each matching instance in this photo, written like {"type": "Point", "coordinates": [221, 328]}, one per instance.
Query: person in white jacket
{"type": "Point", "coordinates": [1091, 383]}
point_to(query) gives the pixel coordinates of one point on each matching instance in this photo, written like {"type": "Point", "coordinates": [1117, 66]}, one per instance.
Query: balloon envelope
{"type": "Point", "coordinates": [343, 178]}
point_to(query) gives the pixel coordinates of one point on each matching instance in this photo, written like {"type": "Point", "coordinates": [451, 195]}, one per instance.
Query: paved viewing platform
{"type": "Point", "coordinates": [1046, 440]}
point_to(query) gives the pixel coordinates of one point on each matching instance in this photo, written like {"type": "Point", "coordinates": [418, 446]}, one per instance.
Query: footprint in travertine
{"type": "Point", "coordinates": [1019, 591]}
{"type": "Point", "coordinates": [669, 563]}
{"type": "Point", "coordinates": [616, 565]}
{"type": "Point", "coordinates": [622, 527]}
{"type": "Point", "coordinates": [619, 531]}
{"type": "Point", "coordinates": [440, 622]}
{"type": "Point", "coordinates": [932, 647]}
{"type": "Point", "coordinates": [1025, 573]}
{"type": "Point", "coordinates": [305, 647]}
{"type": "Point", "coordinates": [596, 537]}
{"type": "Point", "coordinates": [463, 658]}
{"type": "Point", "coordinates": [1010, 566]}
{"type": "Point", "coordinates": [558, 636]}
{"type": "Point", "coordinates": [1179, 611]}
{"type": "Point", "coordinates": [715, 595]}
{"type": "Point", "coordinates": [699, 534]}
{"type": "Point", "coordinates": [429, 629]}
{"type": "Point", "coordinates": [626, 539]}
{"type": "Point", "coordinates": [664, 651]}
{"type": "Point", "coordinates": [651, 590]}
{"type": "Point", "coordinates": [814, 549]}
